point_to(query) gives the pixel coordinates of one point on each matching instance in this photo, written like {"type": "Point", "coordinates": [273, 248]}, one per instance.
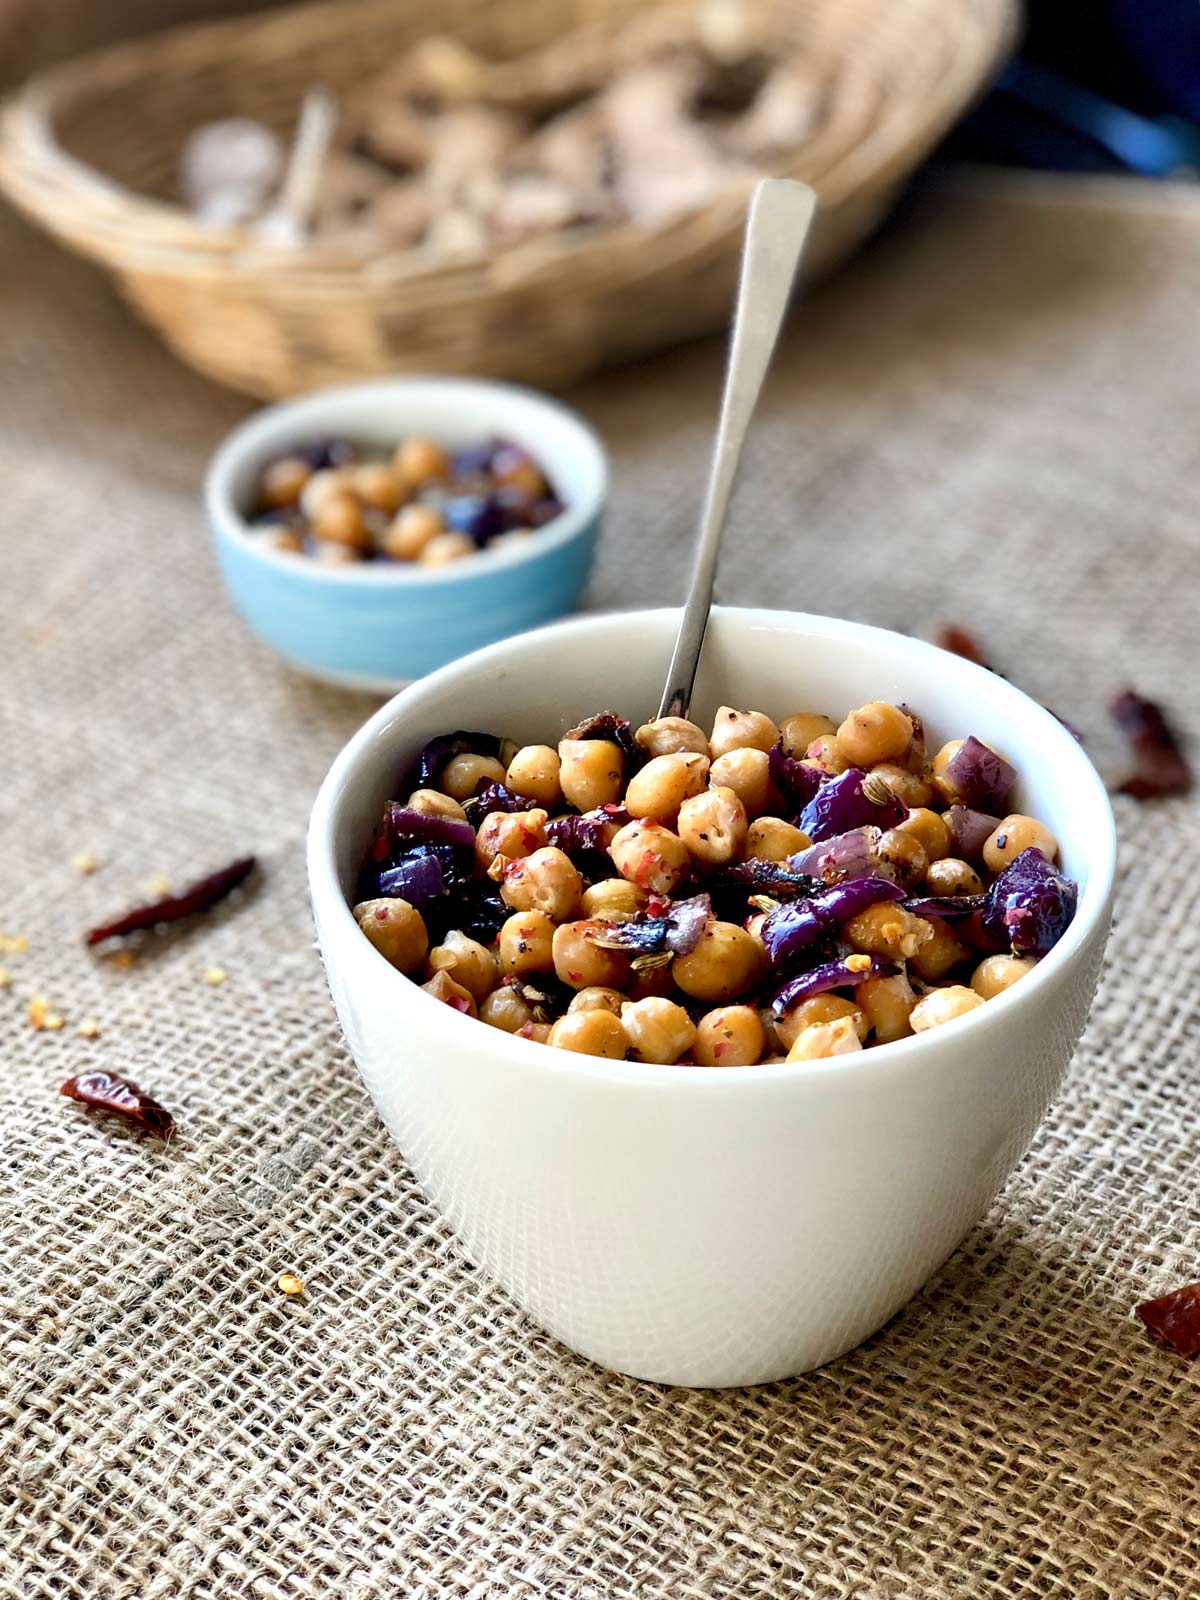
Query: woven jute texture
{"type": "Point", "coordinates": [990, 419]}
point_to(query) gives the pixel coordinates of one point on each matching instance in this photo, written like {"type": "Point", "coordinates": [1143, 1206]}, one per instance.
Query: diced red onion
{"type": "Point", "coordinates": [794, 927]}
{"type": "Point", "coordinates": [831, 975]}
{"type": "Point", "coordinates": [844, 803]}
{"type": "Point", "coordinates": [405, 825]}
{"type": "Point", "coordinates": [969, 831]}
{"type": "Point", "coordinates": [979, 776]}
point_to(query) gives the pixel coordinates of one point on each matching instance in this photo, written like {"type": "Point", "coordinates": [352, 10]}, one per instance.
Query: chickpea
{"type": "Point", "coordinates": [713, 826]}
{"type": "Point", "coordinates": [287, 541]}
{"type": "Point", "coordinates": [510, 833]}
{"type": "Point", "coordinates": [323, 486]}
{"type": "Point", "coordinates": [506, 753]}
{"type": "Point", "coordinates": [941, 951]}
{"type": "Point", "coordinates": [326, 554]}
{"type": "Point", "coordinates": [377, 485]}
{"type": "Point", "coordinates": [822, 1008]}
{"type": "Point", "coordinates": [886, 929]}
{"type": "Point", "coordinates": [875, 732]}
{"type": "Point", "coordinates": [724, 964]}
{"type": "Point", "coordinates": [590, 1033]}
{"type": "Point", "coordinates": [943, 1005]}
{"type": "Point", "coordinates": [906, 856]}
{"type": "Point", "coordinates": [930, 828]}
{"type": "Point", "coordinates": [445, 548]}
{"type": "Point", "coordinates": [658, 1030]}
{"type": "Point", "coordinates": [886, 1003]}
{"type": "Point", "coordinates": [282, 482]}
{"type": "Point", "coordinates": [614, 900]}
{"type": "Point", "coordinates": [772, 839]}
{"type": "Point", "coordinates": [339, 519]}
{"type": "Point", "coordinates": [994, 974]}
{"type": "Point", "coordinates": [912, 789]}
{"type": "Point", "coordinates": [533, 774]}
{"type": "Point", "coordinates": [444, 988]}
{"type": "Point", "coordinates": [430, 803]}
{"type": "Point", "coordinates": [730, 1036]}
{"type": "Point", "coordinates": [664, 783]}
{"type": "Point", "coordinates": [748, 774]}
{"type": "Point", "coordinates": [590, 772]}
{"type": "Point", "coordinates": [666, 736]}
{"type": "Point", "coordinates": [539, 1032]}
{"type": "Point", "coordinates": [952, 876]}
{"type": "Point", "coordinates": [825, 752]}
{"type": "Point", "coordinates": [1017, 833]}
{"type": "Point", "coordinates": [799, 730]}
{"type": "Point", "coordinates": [582, 963]}
{"type": "Point", "coordinates": [741, 730]}
{"type": "Point", "coordinates": [545, 881]}
{"type": "Point", "coordinates": [462, 775]}
{"type": "Point", "coordinates": [598, 998]}
{"type": "Point", "coordinates": [419, 461]}
{"type": "Point", "coordinates": [655, 982]}
{"type": "Point", "coordinates": [650, 855]}
{"type": "Point", "coordinates": [396, 929]}
{"type": "Point", "coordinates": [411, 531]}
{"type": "Point", "coordinates": [526, 944]}
{"type": "Point", "coordinates": [945, 785]}
{"type": "Point", "coordinates": [504, 1009]}
{"type": "Point", "coordinates": [824, 1039]}
{"type": "Point", "coordinates": [466, 961]}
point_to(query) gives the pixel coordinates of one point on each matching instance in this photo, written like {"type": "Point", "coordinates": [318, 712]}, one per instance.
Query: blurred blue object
{"type": "Point", "coordinates": [1109, 87]}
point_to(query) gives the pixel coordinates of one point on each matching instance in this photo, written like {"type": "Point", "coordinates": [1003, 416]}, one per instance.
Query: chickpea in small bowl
{"type": "Point", "coordinates": [371, 533]}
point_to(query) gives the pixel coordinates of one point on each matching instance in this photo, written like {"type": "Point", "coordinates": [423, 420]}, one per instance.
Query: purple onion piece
{"type": "Point", "coordinates": [482, 911]}
{"type": "Point", "coordinates": [476, 515]}
{"type": "Point", "coordinates": [846, 802]}
{"type": "Point", "coordinates": [473, 460]}
{"type": "Point", "coordinates": [323, 453]}
{"type": "Point", "coordinates": [794, 927]}
{"type": "Point", "coordinates": [440, 750]}
{"type": "Point", "coordinates": [969, 831]}
{"type": "Point", "coordinates": [846, 855]}
{"type": "Point", "coordinates": [404, 826]}
{"type": "Point", "coordinates": [795, 782]}
{"type": "Point", "coordinates": [830, 975]}
{"type": "Point", "coordinates": [1030, 905]}
{"type": "Point", "coordinates": [587, 832]}
{"type": "Point", "coordinates": [491, 797]}
{"type": "Point", "coordinates": [678, 932]}
{"type": "Point", "coordinates": [782, 880]}
{"type": "Point", "coordinates": [417, 878]}
{"type": "Point", "coordinates": [979, 776]}
{"type": "Point", "coordinates": [945, 905]}
{"type": "Point", "coordinates": [544, 510]}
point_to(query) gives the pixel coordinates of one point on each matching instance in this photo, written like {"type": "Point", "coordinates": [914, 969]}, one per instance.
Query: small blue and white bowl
{"type": "Point", "coordinates": [378, 625]}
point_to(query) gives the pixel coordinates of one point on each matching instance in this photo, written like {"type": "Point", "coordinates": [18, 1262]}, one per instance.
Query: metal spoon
{"type": "Point", "coordinates": [776, 228]}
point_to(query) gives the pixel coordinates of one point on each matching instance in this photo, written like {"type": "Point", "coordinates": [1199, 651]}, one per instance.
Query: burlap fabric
{"type": "Point", "coordinates": [990, 419]}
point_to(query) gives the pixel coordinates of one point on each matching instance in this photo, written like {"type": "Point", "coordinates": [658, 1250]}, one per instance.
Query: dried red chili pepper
{"type": "Point", "coordinates": [1159, 767]}
{"type": "Point", "coordinates": [107, 1091]}
{"type": "Point", "coordinates": [1173, 1320]}
{"type": "Point", "coordinates": [199, 896]}
{"type": "Point", "coordinates": [961, 643]}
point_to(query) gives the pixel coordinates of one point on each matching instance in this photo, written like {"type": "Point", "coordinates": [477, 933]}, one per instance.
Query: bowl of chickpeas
{"type": "Point", "coordinates": [711, 1037]}
{"type": "Point", "coordinates": [371, 533]}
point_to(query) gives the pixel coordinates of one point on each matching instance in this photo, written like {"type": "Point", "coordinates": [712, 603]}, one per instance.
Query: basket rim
{"type": "Point", "coordinates": [130, 231]}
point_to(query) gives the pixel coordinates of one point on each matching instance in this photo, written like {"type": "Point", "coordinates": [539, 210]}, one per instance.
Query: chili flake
{"type": "Point", "coordinates": [1173, 1320]}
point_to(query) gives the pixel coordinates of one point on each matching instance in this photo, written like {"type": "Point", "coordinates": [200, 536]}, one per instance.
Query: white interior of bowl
{"type": "Point", "coordinates": [456, 412]}
{"type": "Point", "coordinates": [533, 687]}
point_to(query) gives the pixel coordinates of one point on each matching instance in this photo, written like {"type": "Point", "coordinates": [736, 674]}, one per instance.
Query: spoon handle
{"type": "Point", "coordinates": [780, 213]}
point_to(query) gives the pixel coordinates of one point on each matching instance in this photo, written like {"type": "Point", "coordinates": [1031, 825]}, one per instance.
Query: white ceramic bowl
{"type": "Point", "coordinates": [376, 625]}
{"type": "Point", "coordinates": [711, 1227]}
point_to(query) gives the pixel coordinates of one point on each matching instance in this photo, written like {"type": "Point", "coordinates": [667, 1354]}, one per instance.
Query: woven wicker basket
{"type": "Point", "coordinates": [90, 150]}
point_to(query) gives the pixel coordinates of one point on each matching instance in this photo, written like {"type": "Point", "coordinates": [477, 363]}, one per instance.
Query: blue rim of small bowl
{"type": "Point", "coordinates": [250, 436]}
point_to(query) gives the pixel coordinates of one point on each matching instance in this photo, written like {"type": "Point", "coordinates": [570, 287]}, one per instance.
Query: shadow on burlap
{"type": "Point", "coordinates": [989, 419]}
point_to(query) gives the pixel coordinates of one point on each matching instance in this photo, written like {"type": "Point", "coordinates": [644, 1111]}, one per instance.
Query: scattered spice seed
{"type": "Point", "coordinates": [13, 944]}
{"type": "Point", "coordinates": [196, 898]}
{"type": "Point", "coordinates": [5, 977]}
{"type": "Point", "coordinates": [1159, 766]}
{"type": "Point", "coordinates": [215, 976]}
{"type": "Point", "coordinates": [159, 887]}
{"type": "Point", "coordinates": [121, 958]}
{"type": "Point", "coordinates": [89, 1028]}
{"type": "Point", "coordinates": [1173, 1320]}
{"type": "Point", "coordinates": [85, 863]}
{"type": "Point", "coordinates": [960, 643]}
{"type": "Point", "coordinates": [41, 1018]}
{"type": "Point", "coordinates": [290, 1283]}
{"type": "Point", "coordinates": [107, 1091]}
